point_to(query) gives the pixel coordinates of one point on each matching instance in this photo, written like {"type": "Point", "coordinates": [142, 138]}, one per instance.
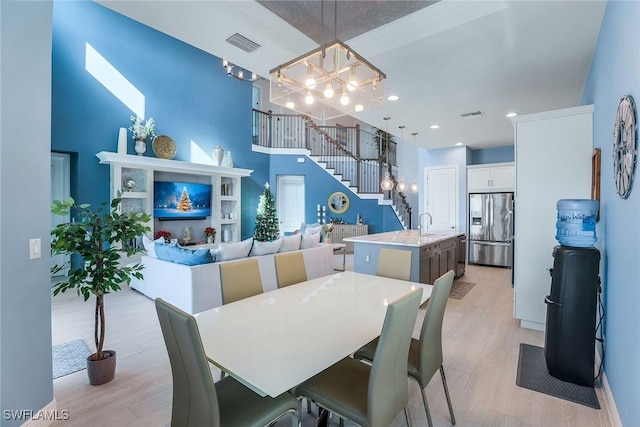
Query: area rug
{"type": "Point", "coordinates": [69, 357]}
{"type": "Point", "coordinates": [533, 374]}
{"type": "Point", "coordinates": [460, 289]}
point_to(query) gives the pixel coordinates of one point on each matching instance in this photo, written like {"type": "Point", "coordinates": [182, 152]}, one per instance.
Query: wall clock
{"type": "Point", "coordinates": [624, 146]}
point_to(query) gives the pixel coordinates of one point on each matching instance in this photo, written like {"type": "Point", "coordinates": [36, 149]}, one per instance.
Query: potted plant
{"type": "Point", "coordinates": [98, 237]}
{"type": "Point", "coordinates": [142, 130]}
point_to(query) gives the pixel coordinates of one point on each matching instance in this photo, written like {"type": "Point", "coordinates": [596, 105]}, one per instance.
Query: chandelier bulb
{"type": "Point", "coordinates": [328, 91]}
{"type": "Point", "coordinates": [344, 99]}
{"type": "Point", "coordinates": [402, 185]}
{"type": "Point", "coordinates": [309, 98]}
{"type": "Point", "coordinates": [414, 185]}
{"type": "Point", "coordinates": [386, 184]}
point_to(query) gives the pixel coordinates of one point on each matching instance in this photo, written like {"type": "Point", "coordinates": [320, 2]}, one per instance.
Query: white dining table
{"type": "Point", "coordinates": [276, 340]}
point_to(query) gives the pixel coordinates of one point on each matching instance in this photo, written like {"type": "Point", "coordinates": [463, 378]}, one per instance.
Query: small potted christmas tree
{"type": "Point", "coordinates": [266, 228]}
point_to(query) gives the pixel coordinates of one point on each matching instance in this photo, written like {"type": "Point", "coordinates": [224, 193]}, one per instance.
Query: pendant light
{"type": "Point", "coordinates": [386, 184]}
{"type": "Point", "coordinates": [402, 185]}
{"type": "Point", "coordinates": [414, 185]}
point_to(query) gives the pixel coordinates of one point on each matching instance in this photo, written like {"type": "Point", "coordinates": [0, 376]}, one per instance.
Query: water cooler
{"type": "Point", "coordinates": [571, 306]}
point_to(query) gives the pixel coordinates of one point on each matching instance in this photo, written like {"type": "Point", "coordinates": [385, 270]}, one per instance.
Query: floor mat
{"type": "Point", "coordinates": [460, 289]}
{"type": "Point", "coordinates": [533, 374]}
{"type": "Point", "coordinates": [69, 357]}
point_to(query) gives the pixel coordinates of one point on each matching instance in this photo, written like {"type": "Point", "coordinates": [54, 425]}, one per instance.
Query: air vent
{"type": "Point", "coordinates": [472, 114]}
{"type": "Point", "coordinates": [243, 43]}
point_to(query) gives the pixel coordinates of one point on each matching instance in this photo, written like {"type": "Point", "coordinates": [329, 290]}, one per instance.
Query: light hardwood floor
{"type": "Point", "coordinates": [481, 345]}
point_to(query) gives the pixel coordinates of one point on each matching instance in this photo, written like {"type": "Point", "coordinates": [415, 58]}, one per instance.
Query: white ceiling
{"type": "Point", "coordinates": [444, 60]}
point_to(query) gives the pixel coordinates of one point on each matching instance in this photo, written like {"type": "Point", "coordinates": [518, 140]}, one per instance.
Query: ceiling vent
{"type": "Point", "coordinates": [243, 43]}
{"type": "Point", "coordinates": [472, 115]}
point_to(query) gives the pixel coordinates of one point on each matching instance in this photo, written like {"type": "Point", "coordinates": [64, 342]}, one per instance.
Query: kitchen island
{"type": "Point", "coordinates": [432, 254]}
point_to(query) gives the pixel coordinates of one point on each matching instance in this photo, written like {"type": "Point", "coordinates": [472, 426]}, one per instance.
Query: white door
{"type": "Point", "coordinates": [60, 190]}
{"type": "Point", "coordinates": [441, 199]}
{"type": "Point", "coordinates": [290, 202]}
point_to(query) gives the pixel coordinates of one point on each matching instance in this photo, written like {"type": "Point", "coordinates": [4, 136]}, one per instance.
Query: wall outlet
{"type": "Point", "coordinates": [367, 258]}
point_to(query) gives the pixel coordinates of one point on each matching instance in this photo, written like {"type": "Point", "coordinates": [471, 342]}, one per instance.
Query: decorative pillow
{"type": "Point", "coordinates": [310, 241]}
{"type": "Point", "coordinates": [234, 250]}
{"type": "Point", "coordinates": [265, 248]}
{"type": "Point", "coordinates": [313, 230]}
{"type": "Point", "coordinates": [304, 227]}
{"type": "Point", "coordinates": [290, 243]}
{"type": "Point", "coordinates": [181, 255]}
{"type": "Point", "coordinates": [149, 245]}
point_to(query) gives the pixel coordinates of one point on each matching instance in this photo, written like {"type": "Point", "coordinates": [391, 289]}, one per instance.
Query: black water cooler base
{"type": "Point", "coordinates": [571, 315]}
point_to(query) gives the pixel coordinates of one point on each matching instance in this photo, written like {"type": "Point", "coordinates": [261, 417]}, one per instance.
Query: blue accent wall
{"type": "Point", "coordinates": [491, 155]}
{"type": "Point", "coordinates": [614, 73]}
{"type": "Point", "coordinates": [318, 187]}
{"type": "Point", "coordinates": [185, 90]}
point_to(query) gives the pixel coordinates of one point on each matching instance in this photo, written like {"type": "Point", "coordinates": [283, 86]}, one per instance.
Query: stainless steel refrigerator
{"type": "Point", "coordinates": [491, 229]}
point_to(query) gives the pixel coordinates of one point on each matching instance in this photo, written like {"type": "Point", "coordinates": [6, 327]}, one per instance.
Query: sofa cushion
{"type": "Point", "coordinates": [149, 245]}
{"type": "Point", "coordinates": [310, 228]}
{"type": "Point", "coordinates": [265, 248]}
{"type": "Point", "coordinates": [290, 243]}
{"type": "Point", "coordinates": [310, 241]}
{"type": "Point", "coordinates": [234, 250]}
{"type": "Point", "coordinates": [181, 255]}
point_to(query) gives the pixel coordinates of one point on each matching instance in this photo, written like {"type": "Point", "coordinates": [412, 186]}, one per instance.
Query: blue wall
{"type": "Point", "coordinates": [185, 90]}
{"type": "Point", "coordinates": [491, 155]}
{"type": "Point", "coordinates": [614, 72]}
{"type": "Point", "coordinates": [318, 187]}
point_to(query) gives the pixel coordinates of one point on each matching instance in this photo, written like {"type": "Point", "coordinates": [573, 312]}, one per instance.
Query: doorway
{"type": "Point", "coordinates": [442, 201]}
{"type": "Point", "coordinates": [60, 190]}
{"type": "Point", "coordinates": [290, 202]}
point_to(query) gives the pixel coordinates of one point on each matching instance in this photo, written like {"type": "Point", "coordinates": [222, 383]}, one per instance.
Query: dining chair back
{"type": "Point", "coordinates": [197, 400]}
{"type": "Point", "coordinates": [290, 268]}
{"type": "Point", "coordinates": [394, 263]}
{"type": "Point", "coordinates": [239, 280]}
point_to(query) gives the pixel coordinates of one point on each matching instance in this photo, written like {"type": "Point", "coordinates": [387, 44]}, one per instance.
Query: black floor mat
{"type": "Point", "coordinates": [533, 374]}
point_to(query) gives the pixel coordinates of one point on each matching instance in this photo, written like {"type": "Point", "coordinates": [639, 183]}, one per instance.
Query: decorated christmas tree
{"type": "Point", "coordinates": [185, 202]}
{"type": "Point", "coordinates": [266, 228]}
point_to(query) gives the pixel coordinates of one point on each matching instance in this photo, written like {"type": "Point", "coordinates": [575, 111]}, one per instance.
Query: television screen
{"type": "Point", "coordinates": [181, 200]}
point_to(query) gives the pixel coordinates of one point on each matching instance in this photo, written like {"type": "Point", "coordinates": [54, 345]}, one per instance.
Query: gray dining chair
{"type": "Point", "coordinates": [290, 268]}
{"type": "Point", "coordinates": [197, 400]}
{"type": "Point", "coordinates": [425, 354]}
{"type": "Point", "coordinates": [394, 264]}
{"type": "Point", "coordinates": [371, 395]}
{"type": "Point", "coordinates": [239, 280]}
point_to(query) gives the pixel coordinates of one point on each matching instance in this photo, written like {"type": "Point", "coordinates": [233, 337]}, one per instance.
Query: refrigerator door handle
{"type": "Point", "coordinates": [549, 301]}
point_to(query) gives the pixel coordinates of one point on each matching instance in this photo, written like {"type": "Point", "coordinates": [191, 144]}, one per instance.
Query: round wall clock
{"type": "Point", "coordinates": [624, 146]}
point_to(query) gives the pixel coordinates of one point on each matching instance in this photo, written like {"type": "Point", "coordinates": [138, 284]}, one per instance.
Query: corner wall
{"type": "Point", "coordinates": [614, 72]}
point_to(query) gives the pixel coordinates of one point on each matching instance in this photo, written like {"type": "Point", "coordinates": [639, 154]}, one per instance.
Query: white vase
{"type": "Point", "coordinates": [141, 146]}
{"type": "Point", "coordinates": [122, 141]}
{"type": "Point", "coordinates": [209, 239]}
{"type": "Point", "coordinates": [228, 161]}
{"type": "Point", "coordinates": [218, 153]}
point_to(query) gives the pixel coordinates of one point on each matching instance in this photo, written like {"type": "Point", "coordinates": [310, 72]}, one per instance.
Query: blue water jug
{"type": "Point", "coordinates": [576, 223]}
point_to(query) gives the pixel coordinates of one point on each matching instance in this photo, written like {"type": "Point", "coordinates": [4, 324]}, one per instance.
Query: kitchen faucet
{"type": "Point", "coordinates": [420, 221]}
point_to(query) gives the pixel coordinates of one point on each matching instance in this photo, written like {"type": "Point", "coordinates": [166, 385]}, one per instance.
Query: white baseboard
{"type": "Point", "coordinates": [612, 409]}
{"type": "Point", "coordinates": [46, 416]}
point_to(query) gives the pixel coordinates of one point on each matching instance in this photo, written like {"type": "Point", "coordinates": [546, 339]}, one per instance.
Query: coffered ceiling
{"type": "Point", "coordinates": [443, 59]}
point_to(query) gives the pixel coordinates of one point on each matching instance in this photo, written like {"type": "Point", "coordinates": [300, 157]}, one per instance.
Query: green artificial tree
{"type": "Point", "coordinates": [267, 228]}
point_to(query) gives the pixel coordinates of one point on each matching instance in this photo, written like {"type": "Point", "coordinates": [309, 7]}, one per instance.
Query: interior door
{"type": "Point", "coordinates": [441, 200]}
{"type": "Point", "coordinates": [290, 202]}
{"type": "Point", "coordinates": [60, 190]}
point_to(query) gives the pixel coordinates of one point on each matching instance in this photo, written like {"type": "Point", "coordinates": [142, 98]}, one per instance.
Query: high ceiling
{"type": "Point", "coordinates": [443, 59]}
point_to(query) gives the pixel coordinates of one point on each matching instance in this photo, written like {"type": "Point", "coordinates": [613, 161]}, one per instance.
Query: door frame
{"type": "Point", "coordinates": [60, 190]}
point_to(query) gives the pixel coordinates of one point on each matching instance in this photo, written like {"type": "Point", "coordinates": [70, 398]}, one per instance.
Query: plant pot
{"type": "Point", "coordinates": [101, 371]}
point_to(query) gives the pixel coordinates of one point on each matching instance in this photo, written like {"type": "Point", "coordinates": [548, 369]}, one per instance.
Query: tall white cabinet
{"type": "Point", "coordinates": [553, 161]}
{"type": "Point", "coordinates": [225, 184]}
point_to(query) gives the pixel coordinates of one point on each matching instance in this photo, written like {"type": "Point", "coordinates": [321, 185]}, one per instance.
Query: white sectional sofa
{"type": "Point", "coordinates": [197, 288]}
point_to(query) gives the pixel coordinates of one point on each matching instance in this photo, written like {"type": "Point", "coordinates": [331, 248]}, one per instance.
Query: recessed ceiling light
{"type": "Point", "coordinates": [458, 144]}
{"type": "Point", "coordinates": [435, 126]}
{"type": "Point", "coordinates": [393, 98]}
{"type": "Point", "coordinates": [512, 114]}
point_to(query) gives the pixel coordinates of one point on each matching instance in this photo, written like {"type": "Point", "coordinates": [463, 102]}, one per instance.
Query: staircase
{"type": "Point", "coordinates": [356, 158]}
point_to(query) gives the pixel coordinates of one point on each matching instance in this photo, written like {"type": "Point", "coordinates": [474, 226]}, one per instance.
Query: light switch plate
{"type": "Point", "coordinates": [35, 248]}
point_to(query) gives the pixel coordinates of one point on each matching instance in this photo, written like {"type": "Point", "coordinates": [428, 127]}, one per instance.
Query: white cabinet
{"type": "Point", "coordinates": [143, 171]}
{"type": "Point", "coordinates": [491, 178]}
{"type": "Point", "coordinates": [553, 161]}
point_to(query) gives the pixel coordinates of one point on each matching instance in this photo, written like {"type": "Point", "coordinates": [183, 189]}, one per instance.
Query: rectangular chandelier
{"type": "Point", "coordinates": [328, 82]}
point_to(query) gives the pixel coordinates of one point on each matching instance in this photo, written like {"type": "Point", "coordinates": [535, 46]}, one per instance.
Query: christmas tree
{"type": "Point", "coordinates": [266, 228]}
{"type": "Point", "coordinates": [185, 202]}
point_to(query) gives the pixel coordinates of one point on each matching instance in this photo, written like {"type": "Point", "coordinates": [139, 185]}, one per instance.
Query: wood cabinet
{"type": "Point", "coordinates": [491, 178]}
{"type": "Point", "coordinates": [135, 176]}
{"type": "Point", "coordinates": [553, 153]}
{"type": "Point", "coordinates": [436, 259]}
{"type": "Point", "coordinates": [342, 231]}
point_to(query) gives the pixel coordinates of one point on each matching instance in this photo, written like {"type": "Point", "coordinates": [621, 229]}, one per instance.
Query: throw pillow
{"type": "Point", "coordinates": [181, 255]}
{"type": "Point", "coordinates": [310, 241]}
{"type": "Point", "coordinates": [265, 248]}
{"type": "Point", "coordinates": [234, 250]}
{"type": "Point", "coordinates": [290, 243]}
{"type": "Point", "coordinates": [313, 230]}
{"type": "Point", "coordinates": [304, 226]}
{"type": "Point", "coordinates": [149, 245]}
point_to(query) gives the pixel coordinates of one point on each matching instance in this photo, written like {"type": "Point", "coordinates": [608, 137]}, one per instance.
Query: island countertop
{"type": "Point", "coordinates": [411, 238]}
